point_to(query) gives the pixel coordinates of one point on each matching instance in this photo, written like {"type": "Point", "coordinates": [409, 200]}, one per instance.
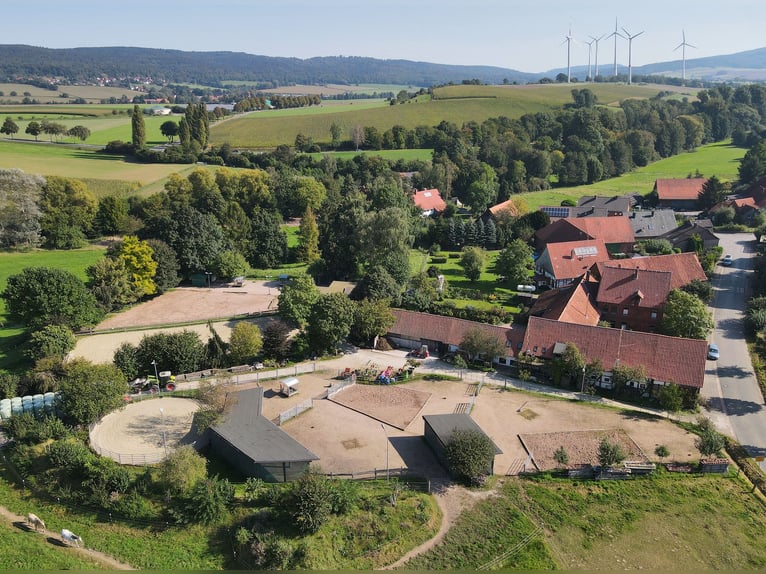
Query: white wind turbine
{"type": "Point", "coordinates": [630, 50]}
{"type": "Point", "coordinates": [616, 35]}
{"type": "Point", "coordinates": [590, 48]}
{"type": "Point", "coordinates": [683, 53]}
{"type": "Point", "coordinates": [596, 41]}
{"type": "Point", "coordinates": [568, 39]}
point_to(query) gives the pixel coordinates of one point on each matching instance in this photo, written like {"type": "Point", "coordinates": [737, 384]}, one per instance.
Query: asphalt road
{"type": "Point", "coordinates": [735, 401]}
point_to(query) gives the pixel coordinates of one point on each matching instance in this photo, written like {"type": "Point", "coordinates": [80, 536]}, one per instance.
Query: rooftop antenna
{"type": "Point", "coordinates": [630, 49]}
{"type": "Point", "coordinates": [616, 35]}
{"type": "Point", "coordinates": [568, 39]}
{"type": "Point", "coordinates": [596, 41]}
{"type": "Point", "coordinates": [683, 53]}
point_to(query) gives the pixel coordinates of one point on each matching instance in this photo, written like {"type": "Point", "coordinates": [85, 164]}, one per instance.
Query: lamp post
{"type": "Point", "coordinates": [582, 388]}
{"type": "Point", "coordinates": [156, 374]}
{"type": "Point", "coordinates": [207, 276]}
{"type": "Point", "coordinates": [385, 433]}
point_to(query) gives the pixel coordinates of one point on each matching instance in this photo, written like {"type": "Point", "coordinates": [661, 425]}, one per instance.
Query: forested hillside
{"type": "Point", "coordinates": [215, 68]}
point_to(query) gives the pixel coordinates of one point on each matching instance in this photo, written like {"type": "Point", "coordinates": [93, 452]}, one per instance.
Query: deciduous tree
{"type": "Point", "coordinates": [89, 391]}
{"type": "Point", "coordinates": [330, 322]}
{"type": "Point", "coordinates": [515, 263]}
{"type": "Point", "coordinates": [686, 316]}
{"type": "Point", "coordinates": [308, 238]}
{"type": "Point", "coordinates": [245, 343]}
{"type": "Point", "coordinates": [297, 299]}
{"type": "Point", "coordinates": [479, 342]}
{"type": "Point", "coordinates": [41, 296]}
{"type": "Point", "coordinates": [9, 127]}
{"type": "Point", "coordinates": [472, 260]}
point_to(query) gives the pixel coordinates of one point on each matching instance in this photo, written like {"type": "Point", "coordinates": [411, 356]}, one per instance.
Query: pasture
{"type": "Point", "coordinates": [458, 104]}
{"type": "Point", "coordinates": [63, 94]}
{"type": "Point", "coordinates": [720, 159]}
{"type": "Point", "coordinates": [81, 163]}
{"type": "Point", "coordinates": [75, 261]}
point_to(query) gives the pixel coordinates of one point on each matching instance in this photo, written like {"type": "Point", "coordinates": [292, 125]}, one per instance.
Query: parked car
{"type": "Point", "coordinates": [712, 352]}
{"type": "Point", "coordinates": [727, 261]}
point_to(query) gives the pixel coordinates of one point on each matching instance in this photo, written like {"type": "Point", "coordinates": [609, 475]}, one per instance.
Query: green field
{"type": "Point", "coordinates": [458, 104]}
{"type": "Point", "coordinates": [720, 159]}
{"type": "Point", "coordinates": [75, 261]}
{"type": "Point", "coordinates": [666, 522]}
{"type": "Point", "coordinates": [70, 161]}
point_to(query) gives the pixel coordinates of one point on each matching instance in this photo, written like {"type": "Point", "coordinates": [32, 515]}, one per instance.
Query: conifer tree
{"type": "Point", "coordinates": [139, 129]}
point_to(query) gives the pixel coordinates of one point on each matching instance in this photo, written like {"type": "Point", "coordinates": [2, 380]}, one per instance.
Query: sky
{"type": "Point", "coordinates": [529, 36]}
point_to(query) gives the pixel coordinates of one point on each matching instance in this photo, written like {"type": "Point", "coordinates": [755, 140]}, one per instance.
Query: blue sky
{"type": "Point", "coordinates": [522, 35]}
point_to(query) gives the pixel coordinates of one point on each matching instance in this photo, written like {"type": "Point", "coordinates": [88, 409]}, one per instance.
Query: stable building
{"type": "Point", "coordinates": [439, 430]}
{"type": "Point", "coordinates": [254, 445]}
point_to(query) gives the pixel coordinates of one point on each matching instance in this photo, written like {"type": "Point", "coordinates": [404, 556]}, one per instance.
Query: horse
{"type": "Point", "coordinates": [34, 520]}
{"type": "Point", "coordinates": [71, 538]}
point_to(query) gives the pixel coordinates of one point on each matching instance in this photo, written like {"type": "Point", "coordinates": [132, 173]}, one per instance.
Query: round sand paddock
{"type": "Point", "coordinates": [145, 432]}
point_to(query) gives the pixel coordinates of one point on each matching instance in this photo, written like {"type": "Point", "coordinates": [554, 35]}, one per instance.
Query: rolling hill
{"type": "Point", "coordinates": [126, 65]}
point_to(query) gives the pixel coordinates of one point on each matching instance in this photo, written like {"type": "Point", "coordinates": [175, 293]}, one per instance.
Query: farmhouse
{"type": "Point", "coordinates": [439, 430]}
{"type": "Point", "coordinates": [429, 202]}
{"type": "Point", "coordinates": [508, 207]}
{"type": "Point", "coordinates": [254, 445]}
{"type": "Point", "coordinates": [678, 194]}
{"type": "Point", "coordinates": [686, 236]}
{"type": "Point", "coordinates": [667, 360]}
{"type": "Point", "coordinates": [633, 298]}
{"type": "Point", "coordinates": [573, 304]}
{"type": "Point", "coordinates": [561, 264]}
{"type": "Point", "coordinates": [652, 223]}
{"type": "Point", "coordinates": [444, 334]}
{"type": "Point", "coordinates": [615, 232]}
{"type": "Point", "coordinates": [683, 267]}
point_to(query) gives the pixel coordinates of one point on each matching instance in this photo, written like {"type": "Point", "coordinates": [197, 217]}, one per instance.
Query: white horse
{"type": "Point", "coordinates": [71, 538]}
{"type": "Point", "coordinates": [34, 520]}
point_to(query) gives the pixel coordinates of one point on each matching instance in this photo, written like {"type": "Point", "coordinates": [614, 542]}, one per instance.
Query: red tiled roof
{"type": "Point", "coordinates": [572, 304]}
{"type": "Point", "coordinates": [449, 330]}
{"type": "Point", "coordinates": [506, 205]}
{"type": "Point", "coordinates": [667, 359]}
{"type": "Point", "coordinates": [615, 229]}
{"type": "Point", "coordinates": [684, 267]}
{"type": "Point", "coordinates": [567, 263]}
{"type": "Point", "coordinates": [619, 285]}
{"type": "Point", "coordinates": [688, 188]}
{"type": "Point", "coordinates": [429, 199]}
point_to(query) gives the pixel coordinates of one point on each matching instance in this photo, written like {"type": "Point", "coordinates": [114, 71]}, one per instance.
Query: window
{"type": "Point", "coordinates": [624, 311]}
{"type": "Point", "coordinates": [653, 314]}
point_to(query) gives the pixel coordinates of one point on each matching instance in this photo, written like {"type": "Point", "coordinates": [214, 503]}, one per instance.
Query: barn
{"type": "Point", "coordinates": [255, 446]}
{"type": "Point", "coordinates": [439, 429]}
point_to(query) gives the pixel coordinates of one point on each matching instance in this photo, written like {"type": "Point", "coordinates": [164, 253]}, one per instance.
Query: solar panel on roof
{"type": "Point", "coordinates": [586, 251]}
{"type": "Point", "coordinates": [555, 211]}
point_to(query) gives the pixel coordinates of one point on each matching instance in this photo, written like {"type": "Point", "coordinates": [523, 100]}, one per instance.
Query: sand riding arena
{"type": "Point", "coordinates": [146, 431]}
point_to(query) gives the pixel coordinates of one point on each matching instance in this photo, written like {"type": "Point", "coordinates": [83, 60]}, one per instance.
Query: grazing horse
{"type": "Point", "coordinates": [71, 538]}
{"type": "Point", "coordinates": [34, 520]}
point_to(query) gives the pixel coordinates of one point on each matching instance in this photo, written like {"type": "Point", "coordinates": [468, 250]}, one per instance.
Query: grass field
{"type": "Point", "coordinates": [23, 550]}
{"type": "Point", "coordinates": [458, 104]}
{"type": "Point", "coordinates": [666, 522]}
{"type": "Point", "coordinates": [70, 161]}
{"type": "Point", "coordinates": [75, 261]}
{"type": "Point", "coordinates": [720, 159]}
{"type": "Point", "coordinates": [92, 94]}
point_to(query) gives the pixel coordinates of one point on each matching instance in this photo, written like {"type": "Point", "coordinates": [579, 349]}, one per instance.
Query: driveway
{"type": "Point", "coordinates": [735, 400]}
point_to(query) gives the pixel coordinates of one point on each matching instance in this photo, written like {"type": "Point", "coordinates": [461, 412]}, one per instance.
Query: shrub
{"type": "Point", "coordinates": [438, 260]}
{"type": "Point", "coordinates": [68, 454]}
{"type": "Point", "coordinates": [609, 453]}
{"type": "Point", "coordinates": [469, 456]}
{"type": "Point", "coordinates": [312, 495]}
{"type": "Point", "coordinates": [134, 506]}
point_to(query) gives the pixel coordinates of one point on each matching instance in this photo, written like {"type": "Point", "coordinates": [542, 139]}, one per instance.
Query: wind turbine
{"type": "Point", "coordinates": [590, 46]}
{"type": "Point", "coordinates": [630, 50]}
{"type": "Point", "coordinates": [568, 39]}
{"type": "Point", "coordinates": [596, 41]}
{"type": "Point", "coordinates": [683, 53]}
{"type": "Point", "coordinates": [616, 35]}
